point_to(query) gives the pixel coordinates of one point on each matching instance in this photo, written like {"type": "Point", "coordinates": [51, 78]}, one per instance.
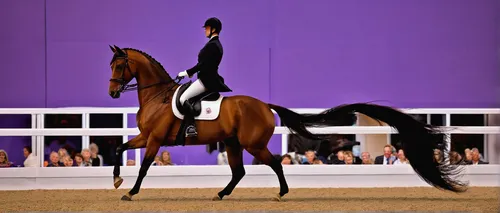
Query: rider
{"type": "Point", "coordinates": [209, 79]}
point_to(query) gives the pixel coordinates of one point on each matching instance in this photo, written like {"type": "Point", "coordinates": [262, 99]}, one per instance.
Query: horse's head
{"type": "Point", "coordinates": [122, 71]}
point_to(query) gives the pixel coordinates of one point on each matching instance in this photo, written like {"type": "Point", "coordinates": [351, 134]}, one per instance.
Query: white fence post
{"type": "Point", "coordinates": [41, 139]}
{"type": "Point", "coordinates": [86, 125]}
{"type": "Point", "coordinates": [124, 137]}
{"type": "Point", "coordinates": [34, 148]}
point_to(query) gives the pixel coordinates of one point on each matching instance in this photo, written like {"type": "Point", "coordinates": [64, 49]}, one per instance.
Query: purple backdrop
{"type": "Point", "coordinates": [22, 41]}
{"type": "Point", "coordinates": [409, 53]}
{"type": "Point", "coordinates": [418, 53]}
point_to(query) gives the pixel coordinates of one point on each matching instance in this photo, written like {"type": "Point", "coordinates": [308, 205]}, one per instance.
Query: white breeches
{"type": "Point", "coordinates": [194, 89]}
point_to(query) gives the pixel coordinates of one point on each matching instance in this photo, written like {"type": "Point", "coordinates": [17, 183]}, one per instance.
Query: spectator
{"type": "Point", "coordinates": [165, 158]}
{"type": "Point", "coordinates": [296, 157]}
{"type": "Point", "coordinates": [87, 158]}
{"type": "Point", "coordinates": [468, 156]}
{"type": "Point", "coordinates": [387, 158]}
{"type": "Point", "coordinates": [317, 161]}
{"type": "Point", "coordinates": [347, 145]}
{"type": "Point", "coordinates": [438, 156]}
{"type": "Point", "coordinates": [68, 162]}
{"type": "Point", "coordinates": [366, 158]}
{"type": "Point", "coordinates": [401, 158]}
{"type": "Point", "coordinates": [338, 158]}
{"type": "Point", "coordinates": [80, 162]}
{"type": "Point", "coordinates": [157, 161]}
{"type": "Point", "coordinates": [31, 160]}
{"type": "Point", "coordinates": [356, 149]}
{"type": "Point", "coordinates": [95, 156]}
{"type": "Point", "coordinates": [476, 157]}
{"type": "Point", "coordinates": [54, 160]}
{"type": "Point", "coordinates": [4, 159]}
{"type": "Point", "coordinates": [286, 159]}
{"type": "Point", "coordinates": [130, 162]}
{"type": "Point", "coordinates": [62, 154]}
{"type": "Point", "coordinates": [348, 158]}
{"type": "Point", "coordinates": [310, 156]}
{"type": "Point", "coordinates": [456, 158]}
{"type": "Point", "coordinates": [222, 158]}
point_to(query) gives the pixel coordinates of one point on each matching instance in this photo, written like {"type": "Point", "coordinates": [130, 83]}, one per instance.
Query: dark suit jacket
{"type": "Point", "coordinates": [380, 159]}
{"type": "Point", "coordinates": [207, 67]}
{"type": "Point", "coordinates": [357, 160]}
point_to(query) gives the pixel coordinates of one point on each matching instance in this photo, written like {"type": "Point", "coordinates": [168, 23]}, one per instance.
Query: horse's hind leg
{"type": "Point", "coordinates": [235, 159]}
{"type": "Point", "coordinates": [137, 142]}
{"type": "Point", "coordinates": [254, 131]}
{"type": "Point", "coordinates": [265, 156]}
{"type": "Point", "coordinates": [153, 145]}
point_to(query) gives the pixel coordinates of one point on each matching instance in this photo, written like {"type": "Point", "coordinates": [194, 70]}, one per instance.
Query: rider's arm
{"type": "Point", "coordinates": [204, 61]}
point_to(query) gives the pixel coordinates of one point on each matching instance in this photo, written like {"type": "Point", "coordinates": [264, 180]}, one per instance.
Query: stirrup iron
{"type": "Point", "coordinates": [191, 131]}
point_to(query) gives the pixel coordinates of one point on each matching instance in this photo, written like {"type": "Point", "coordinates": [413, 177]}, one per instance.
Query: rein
{"type": "Point", "coordinates": [132, 87]}
{"type": "Point", "coordinates": [124, 87]}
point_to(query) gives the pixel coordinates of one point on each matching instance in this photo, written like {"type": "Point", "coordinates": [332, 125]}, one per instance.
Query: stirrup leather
{"type": "Point", "coordinates": [190, 129]}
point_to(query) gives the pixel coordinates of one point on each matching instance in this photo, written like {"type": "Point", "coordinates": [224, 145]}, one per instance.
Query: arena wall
{"type": "Point", "coordinates": [291, 53]}
{"type": "Point", "coordinates": [298, 176]}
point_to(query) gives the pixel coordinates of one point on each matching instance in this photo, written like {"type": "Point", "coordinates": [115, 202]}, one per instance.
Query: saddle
{"type": "Point", "coordinates": [195, 101]}
{"type": "Point", "coordinates": [205, 106]}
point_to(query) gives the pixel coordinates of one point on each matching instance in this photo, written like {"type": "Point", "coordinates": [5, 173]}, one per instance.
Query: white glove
{"type": "Point", "coordinates": [182, 74]}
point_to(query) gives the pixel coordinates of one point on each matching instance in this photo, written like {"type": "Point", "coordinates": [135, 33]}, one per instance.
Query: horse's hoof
{"type": "Point", "coordinates": [118, 182]}
{"type": "Point", "coordinates": [126, 198]}
{"type": "Point", "coordinates": [278, 198]}
{"type": "Point", "coordinates": [216, 197]}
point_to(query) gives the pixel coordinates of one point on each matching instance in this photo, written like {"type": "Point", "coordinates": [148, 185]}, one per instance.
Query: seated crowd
{"type": "Point", "coordinates": [347, 153]}
{"type": "Point", "coordinates": [86, 158]}
{"type": "Point", "coordinates": [338, 150]}
{"type": "Point", "coordinates": [390, 157]}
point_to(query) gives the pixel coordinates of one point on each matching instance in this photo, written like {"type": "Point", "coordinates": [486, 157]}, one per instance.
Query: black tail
{"type": "Point", "coordinates": [418, 139]}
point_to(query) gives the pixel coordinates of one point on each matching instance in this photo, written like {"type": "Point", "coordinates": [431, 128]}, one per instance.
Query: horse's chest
{"type": "Point", "coordinates": [144, 120]}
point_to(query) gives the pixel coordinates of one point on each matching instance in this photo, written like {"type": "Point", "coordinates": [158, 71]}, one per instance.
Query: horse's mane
{"type": "Point", "coordinates": [148, 57]}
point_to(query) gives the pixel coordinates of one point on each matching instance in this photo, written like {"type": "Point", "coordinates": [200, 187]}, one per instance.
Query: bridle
{"type": "Point", "coordinates": [124, 86]}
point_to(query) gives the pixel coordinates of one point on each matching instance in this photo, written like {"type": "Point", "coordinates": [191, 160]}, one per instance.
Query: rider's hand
{"type": "Point", "coordinates": [182, 74]}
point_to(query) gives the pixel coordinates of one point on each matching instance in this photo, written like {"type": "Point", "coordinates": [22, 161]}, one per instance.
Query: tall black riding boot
{"type": "Point", "coordinates": [189, 119]}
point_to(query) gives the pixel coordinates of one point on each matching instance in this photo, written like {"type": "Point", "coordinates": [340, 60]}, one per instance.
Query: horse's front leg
{"type": "Point", "coordinates": [152, 147]}
{"type": "Point", "coordinates": [135, 143]}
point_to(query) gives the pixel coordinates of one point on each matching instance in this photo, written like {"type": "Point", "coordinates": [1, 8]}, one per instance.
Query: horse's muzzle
{"type": "Point", "coordinates": [114, 94]}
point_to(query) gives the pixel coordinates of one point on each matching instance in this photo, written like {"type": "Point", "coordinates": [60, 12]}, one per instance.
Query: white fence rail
{"type": "Point", "coordinates": [278, 130]}
{"type": "Point", "coordinates": [298, 176]}
{"type": "Point", "coordinates": [215, 176]}
{"type": "Point", "coordinates": [37, 131]}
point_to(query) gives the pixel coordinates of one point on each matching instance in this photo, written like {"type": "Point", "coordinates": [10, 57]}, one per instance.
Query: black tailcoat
{"type": "Point", "coordinates": [207, 67]}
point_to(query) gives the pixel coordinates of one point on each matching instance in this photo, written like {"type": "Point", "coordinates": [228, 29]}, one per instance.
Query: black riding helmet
{"type": "Point", "coordinates": [214, 23]}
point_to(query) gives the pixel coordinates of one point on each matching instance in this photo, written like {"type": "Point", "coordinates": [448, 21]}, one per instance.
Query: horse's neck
{"type": "Point", "coordinates": [157, 91]}
{"type": "Point", "coordinates": [154, 79]}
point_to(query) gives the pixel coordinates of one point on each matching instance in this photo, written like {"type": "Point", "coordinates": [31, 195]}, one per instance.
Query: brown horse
{"type": "Point", "coordinates": [246, 123]}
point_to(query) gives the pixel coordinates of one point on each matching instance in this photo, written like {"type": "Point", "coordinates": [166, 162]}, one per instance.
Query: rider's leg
{"type": "Point", "coordinates": [194, 89]}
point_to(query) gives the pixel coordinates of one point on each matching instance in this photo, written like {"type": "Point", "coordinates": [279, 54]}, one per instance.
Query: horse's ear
{"type": "Point", "coordinates": [112, 49]}
{"type": "Point", "coordinates": [119, 51]}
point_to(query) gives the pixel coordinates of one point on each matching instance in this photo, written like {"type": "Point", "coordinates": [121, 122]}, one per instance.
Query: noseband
{"type": "Point", "coordinates": [124, 87]}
